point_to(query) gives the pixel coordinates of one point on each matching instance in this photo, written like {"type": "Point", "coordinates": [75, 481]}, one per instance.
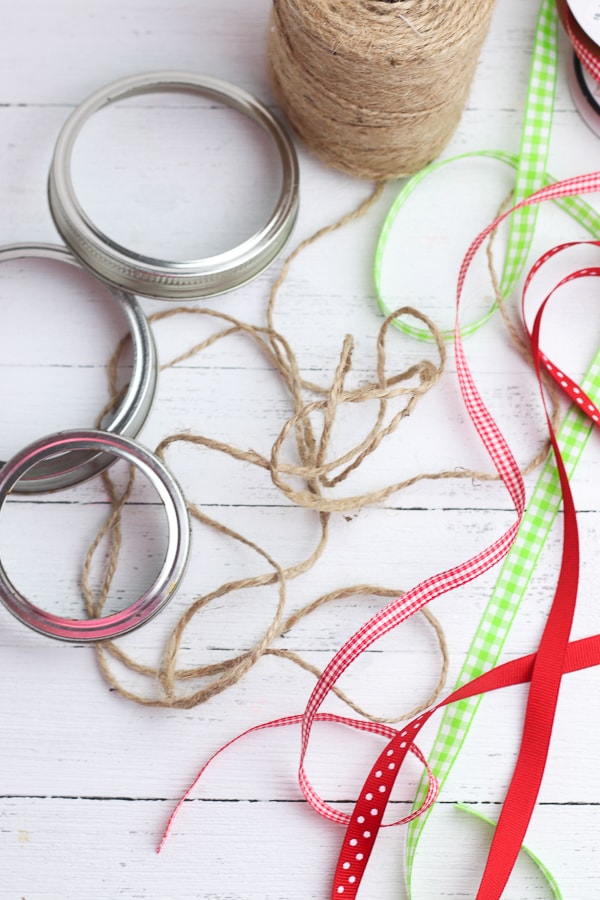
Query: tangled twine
{"type": "Point", "coordinates": [375, 87]}
{"type": "Point", "coordinates": [315, 470]}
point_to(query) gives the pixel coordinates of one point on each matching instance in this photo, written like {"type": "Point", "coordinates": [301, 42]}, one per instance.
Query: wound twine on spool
{"type": "Point", "coordinates": [375, 88]}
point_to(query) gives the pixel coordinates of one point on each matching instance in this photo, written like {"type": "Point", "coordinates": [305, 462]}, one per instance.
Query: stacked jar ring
{"type": "Point", "coordinates": [166, 279]}
{"type": "Point", "coordinates": [173, 567]}
{"type": "Point", "coordinates": [129, 414]}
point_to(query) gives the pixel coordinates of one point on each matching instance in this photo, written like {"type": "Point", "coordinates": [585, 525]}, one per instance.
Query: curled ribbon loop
{"type": "Point", "coordinates": [334, 815]}
{"type": "Point", "coordinates": [574, 391]}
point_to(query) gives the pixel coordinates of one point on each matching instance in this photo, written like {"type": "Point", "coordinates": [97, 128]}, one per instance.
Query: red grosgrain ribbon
{"type": "Point", "coordinates": [544, 669]}
{"type": "Point", "coordinates": [548, 668]}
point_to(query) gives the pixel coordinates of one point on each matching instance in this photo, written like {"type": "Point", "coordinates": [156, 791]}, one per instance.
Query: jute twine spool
{"type": "Point", "coordinates": [375, 88]}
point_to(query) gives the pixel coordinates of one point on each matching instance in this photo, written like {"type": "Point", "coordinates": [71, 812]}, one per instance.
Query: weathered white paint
{"type": "Point", "coordinates": [87, 780]}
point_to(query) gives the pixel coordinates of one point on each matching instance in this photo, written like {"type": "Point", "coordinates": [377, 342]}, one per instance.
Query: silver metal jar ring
{"type": "Point", "coordinates": [166, 279]}
{"type": "Point", "coordinates": [172, 570]}
{"type": "Point", "coordinates": [129, 414]}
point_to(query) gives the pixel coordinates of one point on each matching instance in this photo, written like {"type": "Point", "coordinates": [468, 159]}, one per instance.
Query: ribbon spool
{"type": "Point", "coordinates": [375, 88]}
{"type": "Point", "coordinates": [582, 26]}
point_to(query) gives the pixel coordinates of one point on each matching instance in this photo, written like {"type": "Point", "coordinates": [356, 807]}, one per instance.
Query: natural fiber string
{"type": "Point", "coordinates": [231, 670]}
{"type": "Point", "coordinates": [314, 469]}
{"type": "Point", "coordinates": [375, 87]}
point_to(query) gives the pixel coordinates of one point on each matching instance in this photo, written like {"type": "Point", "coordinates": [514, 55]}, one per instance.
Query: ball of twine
{"type": "Point", "coordinates": [375, 88]}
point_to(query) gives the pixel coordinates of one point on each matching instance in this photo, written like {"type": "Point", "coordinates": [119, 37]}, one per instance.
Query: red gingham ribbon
{"type": "Point", "coordinates": [544, 669]}
{"type": "Point", "coordinates": [589, 59]}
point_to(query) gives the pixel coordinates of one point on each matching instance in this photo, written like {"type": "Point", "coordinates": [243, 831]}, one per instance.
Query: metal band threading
{"type": "Point", "coordinates": [172, 570]}
{"type": "Point", "coordinates": [165, 279]}
{"type": "Point", "coordinates": [131, 412]}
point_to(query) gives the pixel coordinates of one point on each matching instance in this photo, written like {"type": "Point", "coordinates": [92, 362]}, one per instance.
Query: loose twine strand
{"type": "Point", "coordinates": [315, 470]}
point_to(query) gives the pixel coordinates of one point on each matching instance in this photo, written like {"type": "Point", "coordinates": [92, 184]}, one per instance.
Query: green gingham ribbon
{"type": "Point", "coordinates": [530, 165]}
{"type": "Point", "coordinates": [535, 141]}
{"type": "Point", "coordinates": [578, 209]}
{"type": "Point", "coordinates": [495, 624]}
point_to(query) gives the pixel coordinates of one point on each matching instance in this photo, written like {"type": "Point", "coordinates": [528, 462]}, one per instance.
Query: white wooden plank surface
{"type": "Point", "coordinates": [87, 779]}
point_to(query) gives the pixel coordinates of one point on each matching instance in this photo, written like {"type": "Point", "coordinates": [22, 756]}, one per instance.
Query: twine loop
{"type": "Point", "coordinates": [305, 465]}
